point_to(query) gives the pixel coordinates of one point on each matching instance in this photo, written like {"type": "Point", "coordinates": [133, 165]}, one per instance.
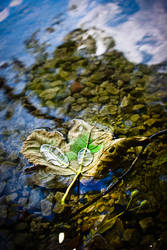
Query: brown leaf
{"type": "Point", "coordinates": [104, 159]}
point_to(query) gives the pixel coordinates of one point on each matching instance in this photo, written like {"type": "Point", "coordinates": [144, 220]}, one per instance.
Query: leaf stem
{"type": "Point", "coordinates": [70, 186]}
{"type": "Point", "coordinates": [77, 174]}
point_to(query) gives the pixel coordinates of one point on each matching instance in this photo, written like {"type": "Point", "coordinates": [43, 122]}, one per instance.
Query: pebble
{"type": "Point", "coordinates": [112, 90]}
{"type": "Point", "coordinates": [89, 84]}
{"type": "Point", "coordinates": [105, 84]}
{"type": "Point", "coordinates": [76, 87]}
{"type": "Point", "coordinates": [82, 100]}
{"type": "Point", "coordinates": [128, 123]}
{"type": "Point", "coordinates": [120, 83]}
{"type": "Point", "coordinates": [5, 172]}
{"type": "Point", "coordinates": [150, 122]}
{"type": "Point", "coordinates": [76, 107]}
{"type": "Point", "coordinates": [2, 186]}
{"type": "Point", "coordinates": [3, 211]}
{"type": "Point", "coordinates": [11, 186]}
{"type": "Point", "coordinates": [46, 207]}
{"type": "Point", "coordinates": [58, 208]}
{"type": "Point", "coordinates": [59, 196]}
{"type": "Point", "coordinates": [22, 201]}
{"type": "Point", "coordinates": [69, 99]}
{"type": "Point", "coordinates": [50, 197]}
{"type": "Point", "coordinates": [146, 223]}
{"type": "Point", "coordinates": [34, 199]}
{"type": "Point", "coordinates": [138, 106]}
{"type": "Point", "coordinates": [86, 92]}
{"type": "Point", "coordinates": [131, 235]}
{"type": "Point", "coordinates": [135, 118]}
{"type": "Point", "coordinates": [104, 99]}
{"type": "Point", "coordinates": [11, 197]}
{"type": "Point", "coordinates": [124, 102]}
{"type": "Point", "coordinates": [93, 92]}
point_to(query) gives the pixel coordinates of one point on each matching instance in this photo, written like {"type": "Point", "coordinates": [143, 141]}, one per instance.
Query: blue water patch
{"type": "Point", "coordinates": [4, 4]}
{"type": "Point", "coordinates": [129, 7]}
{"type": "Point", "coordinates": [97, 185]}
{"type": "Point", "coordinates": [147, 39]}
{"type": "Point", "coordinates": [146, 57]}
{"type": "Point", "coordinates": [25, 19]}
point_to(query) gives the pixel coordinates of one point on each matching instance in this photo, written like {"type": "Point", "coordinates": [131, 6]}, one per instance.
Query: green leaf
{"type": "Point", "coordinates": [71, 155]}
{"type": "Point", "coordinates": [94, 148]}
{"type": "Point", "coordinates": [80, 143]}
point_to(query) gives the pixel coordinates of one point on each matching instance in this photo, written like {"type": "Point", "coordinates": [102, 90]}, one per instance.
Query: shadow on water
{"type": "Point", "coordinates": [76, 83]}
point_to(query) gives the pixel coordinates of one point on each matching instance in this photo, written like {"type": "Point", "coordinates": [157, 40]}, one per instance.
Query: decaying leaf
{"type": "Point", "coordinates": [89, 146]}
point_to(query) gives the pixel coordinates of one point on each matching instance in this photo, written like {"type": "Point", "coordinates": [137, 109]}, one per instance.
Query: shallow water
{"type": "Point", "coordinates": [59, 63]}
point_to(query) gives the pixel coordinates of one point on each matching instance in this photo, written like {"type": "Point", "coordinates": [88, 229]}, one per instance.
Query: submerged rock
{"type": "Point", "coordinates": [46, 207]}
{"type": "Point", "coordinates": [11, 197]}
{"type": "Point", "coordinates": [146, 223]}
{"type": "Point", "coordinates": [58, 208]}
{"type": "Point", "coordinates": [22, 201]}
{"type": "Point", "coordinates": [34, 199]}
{"type": "Point", "coordinates": [76, 87]}
{"type": "Point", "coordinates": [2, 186]}
{"type": "Point", "coordinates": [135, 118]}
{"type": "Point", "coordinates": [132, 236]}
{"type": "Point", "coordinates": [3, 211]}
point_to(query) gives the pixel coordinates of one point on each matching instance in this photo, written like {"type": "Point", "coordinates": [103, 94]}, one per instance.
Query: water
{"type": "Point", "coordinates": [100, 61]}
{"type": "Point", "coordinates": [137, 27]}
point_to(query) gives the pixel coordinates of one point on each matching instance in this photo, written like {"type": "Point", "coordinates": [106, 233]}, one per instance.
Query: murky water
{"type": "Point", "coordinates": [103, 62]}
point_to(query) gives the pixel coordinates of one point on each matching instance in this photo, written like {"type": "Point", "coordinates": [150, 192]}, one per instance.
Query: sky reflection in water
{"type": "Point", "coordinates": [138, 27]}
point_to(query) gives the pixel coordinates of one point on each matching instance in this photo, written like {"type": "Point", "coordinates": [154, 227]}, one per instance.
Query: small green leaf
{"type": "Point", "coordinates": [71, 155]}
{"type": "Point", "coordinates": [143, 203]}
{"type": "Point", "coordinates": [85, 157]}
{"type": "Point", "coordinates": [94, 148]}
{"type": "Point", "coordinates": [134, 193]}
{"type": "Point", "coordinates": [80, 143]}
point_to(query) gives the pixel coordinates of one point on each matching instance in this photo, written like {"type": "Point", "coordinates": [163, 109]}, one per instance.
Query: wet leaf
{"type": "Point", "coordinates": [64, 159]}
{"type": "Point", "coordinates": [31, 150]}
{"type": "Point", "coordinates": [54, 155]}
{"type": "Point", "coordinates": [85, 157]}
{"type": "Point", "coordinates": [94, 148]}
{"type": "Point", "coordinates": [71, 155]}
{"type": "Point", "coordinates": [79, 143]}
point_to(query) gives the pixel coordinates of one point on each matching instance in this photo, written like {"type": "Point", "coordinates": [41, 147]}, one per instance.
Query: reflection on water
{"type": "Point", "coordinates": [138, 27]}
{"type": "Point", "coordinates": [61, 62]}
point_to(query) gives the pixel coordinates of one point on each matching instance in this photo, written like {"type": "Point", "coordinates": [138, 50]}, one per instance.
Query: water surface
{"type": "Point", "coordinates": [103, 62]}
